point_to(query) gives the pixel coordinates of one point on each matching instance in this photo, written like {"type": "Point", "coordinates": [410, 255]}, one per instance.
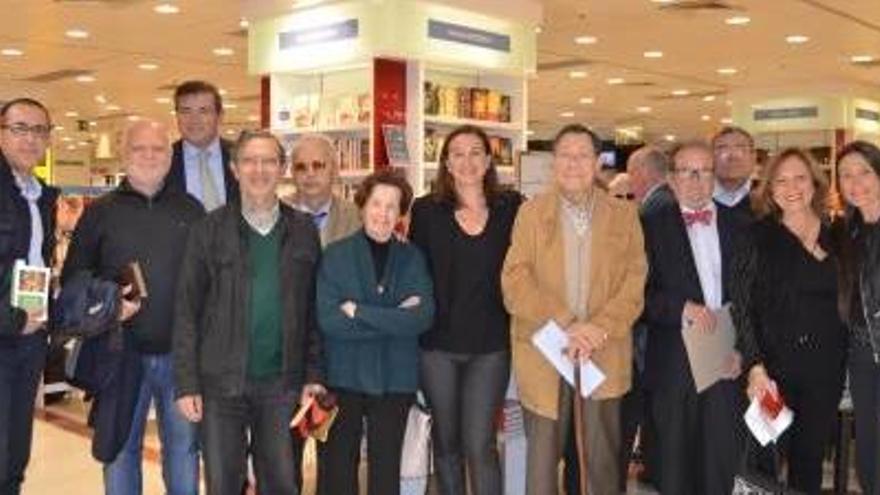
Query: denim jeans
{"type": "Point", "coordinates": [21, 363]}
{"type": "Point", "coordinates": [179, 437]}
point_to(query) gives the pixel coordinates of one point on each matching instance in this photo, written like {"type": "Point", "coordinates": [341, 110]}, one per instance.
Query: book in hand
{"type": "Point", "coordinates": [30, 289]}
{"type": "Point", "coordinates": [768, 417]}
{"type": "Point", "coordinates": [132, 275]}
{"type": "Point", "coordinates": [315, 417]}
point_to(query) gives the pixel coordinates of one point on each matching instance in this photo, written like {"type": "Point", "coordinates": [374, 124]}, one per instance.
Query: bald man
{"type": "Point", "coordinates": [144, 220]}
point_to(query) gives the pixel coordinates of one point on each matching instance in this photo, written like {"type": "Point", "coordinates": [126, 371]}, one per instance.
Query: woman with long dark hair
{"type": "Point", "coordinates": [464, 230]}
{"type": "Point", "coordinates": [858, 180]}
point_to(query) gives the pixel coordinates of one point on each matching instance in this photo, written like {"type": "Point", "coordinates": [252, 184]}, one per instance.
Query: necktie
{"type": "Point", "coordinates": [210, 196]}
{"type": "Point", "coordinates": [700, 216]}
{"type": "Point", "coordinates": [318, 218]}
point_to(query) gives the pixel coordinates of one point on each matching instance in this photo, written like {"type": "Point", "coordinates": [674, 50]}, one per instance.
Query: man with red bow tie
{"type": "Point", "coordinates": [690, 243]}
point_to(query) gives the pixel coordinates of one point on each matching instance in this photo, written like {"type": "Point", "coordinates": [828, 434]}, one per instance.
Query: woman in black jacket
{"type": "Point", "coordinates": [464, 229]}
{"type": "Point", "coordinates": [786, 305]}
{"type": "Point", "coordinates": [858, 180]}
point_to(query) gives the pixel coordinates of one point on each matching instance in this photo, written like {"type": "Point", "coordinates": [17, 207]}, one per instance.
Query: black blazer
{"type": "Point", "coordinates": [177, 177]}
{"type": "Point", "coordinates": [432, 229]}
{"type": "Point", "coordinates": [673, 280]}
{"type": "Point", "coordinates": [657, 198]}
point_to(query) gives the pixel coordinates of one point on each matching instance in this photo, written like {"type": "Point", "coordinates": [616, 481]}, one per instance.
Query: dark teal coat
{"type": "Point", "coordinates": [377, 351]}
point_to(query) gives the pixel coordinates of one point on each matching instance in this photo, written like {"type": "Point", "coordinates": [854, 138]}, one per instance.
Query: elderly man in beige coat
{"type": "Point", "coordinates": [577, 257]}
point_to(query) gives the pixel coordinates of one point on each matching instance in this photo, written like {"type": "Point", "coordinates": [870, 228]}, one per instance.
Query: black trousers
{"type": "Point", "coordinates": [264, 410]}
{"type": "Point", "coordinates": [464, 393]}
{"type": "Point", "coordinates": [340, 456]}
{"type": "Point", "coordinates": [700, 438]}
{"type": "Point", "coordinates": [21, 363]}
{"type": "Point", "coordinates": [864, 383]}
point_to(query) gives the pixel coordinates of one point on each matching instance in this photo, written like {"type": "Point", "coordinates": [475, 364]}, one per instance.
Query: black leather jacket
{"type": "Point", "coordinates": [865, 306]}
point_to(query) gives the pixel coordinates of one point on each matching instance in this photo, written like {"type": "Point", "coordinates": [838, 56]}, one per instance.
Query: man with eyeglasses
{"type": "Point", "coordinates": [245, 340]}
{"type": "Point", "coordinates": [144, 220]}
{"type": "Point", "coordinates": [200, 161]}
{"type": "Point", "coordinates": [734, 153]}
{"type": "Point", "coordinates": [315, 170]}
{"type": "Point", "coordinates": [27, 229]}
{"type": "Point", "coordinates": [690, 242]}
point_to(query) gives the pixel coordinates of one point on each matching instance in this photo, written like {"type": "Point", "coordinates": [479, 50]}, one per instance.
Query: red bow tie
{"type": "Point", "coordinates": [700, 216]}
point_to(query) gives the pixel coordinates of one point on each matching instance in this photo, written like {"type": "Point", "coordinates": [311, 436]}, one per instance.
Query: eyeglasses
{"type": "Point", "coordinates": [315, 166]}
{"type": "Point", "coordinates": [21, 130]}
{"type": "Point", "coordinates": [694, 173]}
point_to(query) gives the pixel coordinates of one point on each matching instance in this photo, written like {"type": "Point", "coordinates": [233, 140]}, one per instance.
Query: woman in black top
{"type": "Point", "coordinates": [464, 230]}
{"type": "Point", "coordinates": [792, 338]}
{"type": "Point", "coordinates": [858, 180]}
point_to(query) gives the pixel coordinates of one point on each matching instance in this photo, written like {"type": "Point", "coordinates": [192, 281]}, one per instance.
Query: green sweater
{"type": "Point", "coordinates": [264, 337]}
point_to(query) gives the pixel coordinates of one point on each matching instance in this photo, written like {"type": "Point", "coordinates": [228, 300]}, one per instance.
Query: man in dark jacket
{"type": "Point", "coordinates": [246, 347]}
{"type": "Point", "coordinates": [144, 221]}
{"type": "Point", "coordinates": [27, 228]}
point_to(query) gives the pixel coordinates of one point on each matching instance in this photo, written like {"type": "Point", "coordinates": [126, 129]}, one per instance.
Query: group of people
{"type": "Point", "coordinates": [258, 304]}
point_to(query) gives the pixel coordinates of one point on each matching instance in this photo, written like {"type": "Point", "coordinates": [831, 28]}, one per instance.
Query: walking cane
{"type": "Point", "coordinates": [579, 429]}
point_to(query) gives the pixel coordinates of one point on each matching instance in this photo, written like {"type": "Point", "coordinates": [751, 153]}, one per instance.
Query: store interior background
{"type": "Point", "coordinates": [637, 71]}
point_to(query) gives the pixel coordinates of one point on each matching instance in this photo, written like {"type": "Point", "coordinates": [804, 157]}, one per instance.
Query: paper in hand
{"type": "Point", "coordinates": [708, 352]}
{"type": "Point", "coordinates": [552, 340]}
{"type": "Point", "coordinates": [763, 426]}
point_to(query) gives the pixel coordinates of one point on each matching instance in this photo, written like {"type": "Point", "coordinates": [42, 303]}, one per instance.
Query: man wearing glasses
{"type": "Point", "coordinates": [27, 226]}
{"type": "Point", "coordinates": [200, 161]}
{"type": "Point", "coordinates": [690, 242]}
{"type": "Point", "coordinates": [734, 152]}
{"type": "Point", "coordinates": [315, 170]}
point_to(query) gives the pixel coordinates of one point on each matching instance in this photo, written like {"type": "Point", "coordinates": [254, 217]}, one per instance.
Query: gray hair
{"type": "Point", "coordinates": [322, 141]}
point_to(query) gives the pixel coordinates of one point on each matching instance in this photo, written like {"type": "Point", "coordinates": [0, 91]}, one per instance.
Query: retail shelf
{"type": "Point", "coordinates": [440, 120]}
{"type": "Point", "coordinates": [347, 129]}
{"type": "Point", "coordinates": [355, 174]}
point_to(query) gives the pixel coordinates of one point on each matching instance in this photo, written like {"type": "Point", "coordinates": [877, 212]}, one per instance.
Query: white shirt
{"type": "Point", "coordinates": [732, 198]}
{"type": "Point", "coordinates": [31, 190]}
{"type": "Point", "coordinates": [706, 248]}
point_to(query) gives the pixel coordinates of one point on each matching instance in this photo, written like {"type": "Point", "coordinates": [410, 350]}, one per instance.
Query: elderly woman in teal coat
{"type": "Point", "coordinates": [374, 299]}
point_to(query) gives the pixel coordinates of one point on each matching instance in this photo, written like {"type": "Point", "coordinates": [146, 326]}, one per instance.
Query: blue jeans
{"type": "Point", "coordinates": [21, 363]}
{"type": "Point", "coordinates": [179, 438]}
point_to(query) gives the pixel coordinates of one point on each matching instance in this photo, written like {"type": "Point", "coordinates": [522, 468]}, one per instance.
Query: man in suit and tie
{"type": "Point", "coordinates": [735, 158]}
{"type": "Point", "coordinates": [690, 242]}
{"type": "Point", "coordinates": [647, 168]}
{"type": "Point", "coordinates": [315, 169]}
{"type": "Point", "coordinates": [200, 160]}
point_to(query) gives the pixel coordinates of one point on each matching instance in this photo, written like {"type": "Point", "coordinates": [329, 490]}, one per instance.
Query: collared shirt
{"type": "Point", "coordinates": [319, 216]}
{"type": "Point", "coordinates": [732, 198]}
{"type": "Point", "coordinates": [580, 215]}
{"type": "Point", "coordinates": [706, 248]}
{"type": "Point", "coordinates": [31, 190]}
{"type": "Point", "coordinates": [193, 174]}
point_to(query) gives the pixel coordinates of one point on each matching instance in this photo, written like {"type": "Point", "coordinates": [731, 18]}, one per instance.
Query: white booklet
{"type": "Point", "coordinates": [764, 428]}
{"type": "Point", "coordinates": [552, 340]}
{"type": "Point", "coordinates": [30, 289]}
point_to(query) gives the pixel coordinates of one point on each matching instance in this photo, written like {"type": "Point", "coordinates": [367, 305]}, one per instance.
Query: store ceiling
{"type": "Point", "coordinates": [126, 36]}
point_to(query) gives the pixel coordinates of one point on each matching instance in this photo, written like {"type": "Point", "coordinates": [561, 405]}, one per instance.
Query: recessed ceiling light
{"type": "Point", "coordinates": [680, 92]}
{"type": "Point", "coordinates": [229, 106]}
{"type": "Point", "coordinates": [709, 98]}
{"type": "Point", "coordinates": [253, 118]}
{"type": "Point", "coordinates": [727, 121]}
{"type": "Point", "coordinates": [163, 100]}
{"type": "Point", "coordinates": [586, 40]}
{"type": "Point", "coordinates": [85, 78]}
{"type": "Point", "coordinates": [587, 100]}
{"type": "Point", "coordinates": [11, 52]}
{"type": "Point", "coordinates": [577, 74]}
{"type": "Point", "coordinates": [222, 92]}
{"type": "Point", "coordinates": [223, 51]}
{"type": "Point", "coordinates": [539, 30]}
{"type": "Point", "coordinates": [230, 132]}
{"type": "Point", "coordinates": [93, 124]}
{"type": "Point", "coordinates": [861, 59]}
{"type": "Point", "coordinates": [726, 71]}
{"type": "Point", "coordinates": [100, 99]}
{"type": "Point", "coordinates": [173, 112]}
{"type": "Point", "coordinates": [133, 118]}
{"type": "Point", "coordinates": [653, 54]}
{"type": "Point", "coordinates": [112, 108]}
{"type": "Point", "coordinates": [643, 109]}
{"type": "Point", "coordinates": [796, 39]}
{"type": "Point", "coordinates": [728, 103]}
{"type": "Point", "coordinates": [59, 128]}
{"type": "Point", "coordinates": [148, 66]}
{"type": "Point", "coordinates": [82, 143]}
{"type": "Point", "coordinates": [705, 118]}
{"type": "Point", "coordinates": [77, 34]}
{"type": "Point", "coordinates": [71, 147]}
{"type": "Point", "coordinates": [66, 139]}
{"type": "Point", "coordinates": [244, 23]}
{"type": "Point", "coordinates": [166, 8]}
{"type": "Point", "coordinates": [566, 115]}
{"type": "Point", "coordinates": [530, 132]}
{"type": "Point", "coordinates": [737, 20]}
{"type": "Point", "coordinates": [669, 137]}
{"type": "Point", "coordinates": [71, 113]}
{"type": "Point", "coordinates": [615, 81]}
